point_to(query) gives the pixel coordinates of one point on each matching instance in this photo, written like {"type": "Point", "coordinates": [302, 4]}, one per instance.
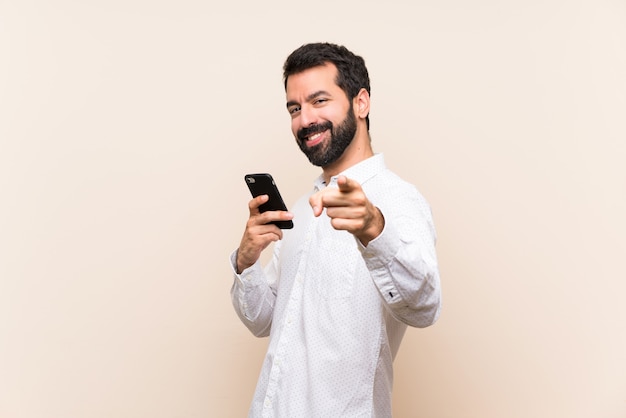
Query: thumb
{"type": "Point", "coordinates": [316, 203]}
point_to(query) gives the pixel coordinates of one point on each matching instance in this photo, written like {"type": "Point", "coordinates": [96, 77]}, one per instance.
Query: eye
{"type": "Point", "coordinates": [320, 101]}
{"type": "Point", "coordinates": [293, 110]}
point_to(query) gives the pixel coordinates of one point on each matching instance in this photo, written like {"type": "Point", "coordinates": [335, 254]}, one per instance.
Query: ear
{"type": "Point", "coordinates": [362, 104]}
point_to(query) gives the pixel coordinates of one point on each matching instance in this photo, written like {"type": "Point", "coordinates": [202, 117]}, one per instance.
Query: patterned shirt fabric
{"type": "Point", "coordinates": [336, 311]}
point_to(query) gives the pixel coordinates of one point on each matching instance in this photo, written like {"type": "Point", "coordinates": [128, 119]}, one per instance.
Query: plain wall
{"type": "Point", "coordinates": [126, 128]}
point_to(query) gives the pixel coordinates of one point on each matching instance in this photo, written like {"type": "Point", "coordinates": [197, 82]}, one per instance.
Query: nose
{"type": "Point", "coordinates": [307, 116]}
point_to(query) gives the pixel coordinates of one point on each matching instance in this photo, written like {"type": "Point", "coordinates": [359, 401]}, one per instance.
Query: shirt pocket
{"type": "Point", "coordinates": [336, 267]}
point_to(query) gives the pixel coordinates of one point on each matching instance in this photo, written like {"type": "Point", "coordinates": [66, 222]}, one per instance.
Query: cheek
{"type": "Point", "coordinates": [335, 115]}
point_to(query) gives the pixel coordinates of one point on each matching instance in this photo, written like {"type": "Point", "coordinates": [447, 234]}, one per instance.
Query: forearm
{"type": "Point", "coordinates": [403, 265]}
{"type": "Point", "coordinates": [252, 298]}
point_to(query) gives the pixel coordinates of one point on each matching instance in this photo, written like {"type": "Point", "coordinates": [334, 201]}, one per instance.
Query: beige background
{"type": "Point", "coordinates": [126, 128]}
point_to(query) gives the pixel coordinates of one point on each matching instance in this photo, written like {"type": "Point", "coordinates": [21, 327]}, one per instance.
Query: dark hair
{"type": "Point", "coordinates": [352, 74]}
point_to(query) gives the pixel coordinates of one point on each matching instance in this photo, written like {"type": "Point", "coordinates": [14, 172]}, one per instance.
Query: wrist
{"type": "Point", "coordinates": [240, 266]}
{"type": "Point", "coordinates": [374, 228]}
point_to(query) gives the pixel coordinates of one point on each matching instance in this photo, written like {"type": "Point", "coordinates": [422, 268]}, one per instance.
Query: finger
{"type": "Point", "coordinates": [343, 212]}
{"type": "Point", "coordinates": [316, 203]}
{"type": "Point", "coordinates": [269, 217]}
{"type": "Point", "coordinates": [254, 204]}
{"type": "Point", "coordinates": [347, 185]}
{"type": "Point", "coordinates": [343, 224]}
{"type": "Point", "coordinates": [270, 233]}
{"type": "Point", "coordinates": [275, 216]}
{"type": "Point", "coordinates": [260, 235]}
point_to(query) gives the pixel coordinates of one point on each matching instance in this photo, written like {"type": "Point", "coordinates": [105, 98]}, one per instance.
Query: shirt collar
{"type": "Point", "coordinates": [361, 172]}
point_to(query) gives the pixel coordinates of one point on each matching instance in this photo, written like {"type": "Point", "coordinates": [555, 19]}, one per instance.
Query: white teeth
{"type": "Point", "coordinates": [312, 137]}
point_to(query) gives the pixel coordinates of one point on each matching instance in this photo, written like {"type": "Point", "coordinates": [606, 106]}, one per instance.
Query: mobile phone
{"type": "Point", "coordinates": [263, 183]}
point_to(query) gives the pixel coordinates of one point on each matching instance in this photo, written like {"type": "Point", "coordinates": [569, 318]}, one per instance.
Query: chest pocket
{"type": "Point", "coordinates": [335, 265]}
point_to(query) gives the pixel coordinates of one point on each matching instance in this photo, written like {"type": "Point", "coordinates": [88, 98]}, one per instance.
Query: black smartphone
{"type": "Point", "coordinates": [263, 183]}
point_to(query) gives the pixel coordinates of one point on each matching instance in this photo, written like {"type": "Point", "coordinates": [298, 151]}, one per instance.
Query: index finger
{"type": "Point", "coordinates": [346, 184]}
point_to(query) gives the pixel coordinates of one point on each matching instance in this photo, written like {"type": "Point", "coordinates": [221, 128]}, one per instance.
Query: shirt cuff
{"type": "Point", "coordinates": [251, 276]}
{"type": "Point", "coordinates": [378, 256]}
{"type": "Point", "coordinates": [381, 250]}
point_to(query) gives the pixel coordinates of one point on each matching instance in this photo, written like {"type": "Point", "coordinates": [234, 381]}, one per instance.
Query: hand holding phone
{"type": "Point", "coordinates": [263, 183]}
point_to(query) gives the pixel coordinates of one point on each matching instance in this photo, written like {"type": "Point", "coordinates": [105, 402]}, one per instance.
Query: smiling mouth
{"type": "Point", "coordinates": [315, 138]}
{"type": "Point", "coordinates": [313, 135]}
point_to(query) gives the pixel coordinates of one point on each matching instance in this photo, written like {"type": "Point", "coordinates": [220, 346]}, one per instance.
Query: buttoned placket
{"type": "Point", "coordinates": [292, 316]}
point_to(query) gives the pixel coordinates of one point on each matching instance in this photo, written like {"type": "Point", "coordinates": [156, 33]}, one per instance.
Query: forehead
{"type": "Point", "coordinates": [322, 77]}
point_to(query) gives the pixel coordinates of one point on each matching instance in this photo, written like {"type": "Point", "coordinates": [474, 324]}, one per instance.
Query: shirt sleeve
{"type": "Point", "coordinates": [253, 295]}
{"type": "Point", "coordinates": [403, 265]}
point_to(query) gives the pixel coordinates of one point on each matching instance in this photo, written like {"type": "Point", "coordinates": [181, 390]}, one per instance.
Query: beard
{"type": "Point", "coordinates": [327, 152]}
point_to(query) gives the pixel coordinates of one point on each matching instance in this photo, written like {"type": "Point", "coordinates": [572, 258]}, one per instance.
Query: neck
{"type": "Point", "coordinates": [359, 150]}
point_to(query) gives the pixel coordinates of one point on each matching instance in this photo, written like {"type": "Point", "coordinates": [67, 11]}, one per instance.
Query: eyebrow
{"type": "Point", "coordinates": [309, 97]}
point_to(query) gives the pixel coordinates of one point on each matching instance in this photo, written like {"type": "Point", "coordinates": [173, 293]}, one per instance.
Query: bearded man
{"type": "Point", "coordinates": [358, 267]}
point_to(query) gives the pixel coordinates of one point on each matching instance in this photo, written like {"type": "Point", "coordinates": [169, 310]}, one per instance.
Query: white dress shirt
{"type": "Point", "coordinates": [336, 311]}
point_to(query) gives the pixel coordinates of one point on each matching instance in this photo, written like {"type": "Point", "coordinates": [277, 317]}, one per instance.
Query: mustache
{"type": "Point", "coordinates": [303, 133]}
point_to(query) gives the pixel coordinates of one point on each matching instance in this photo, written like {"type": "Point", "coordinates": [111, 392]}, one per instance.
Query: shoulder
{"type": "Point", "coordinates": [397, 197]}
{"type": "Point", "coordinates": [389, 185]}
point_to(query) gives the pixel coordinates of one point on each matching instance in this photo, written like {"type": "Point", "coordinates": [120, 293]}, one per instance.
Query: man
{"type": "Point", "coordinates": [356, 269]}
